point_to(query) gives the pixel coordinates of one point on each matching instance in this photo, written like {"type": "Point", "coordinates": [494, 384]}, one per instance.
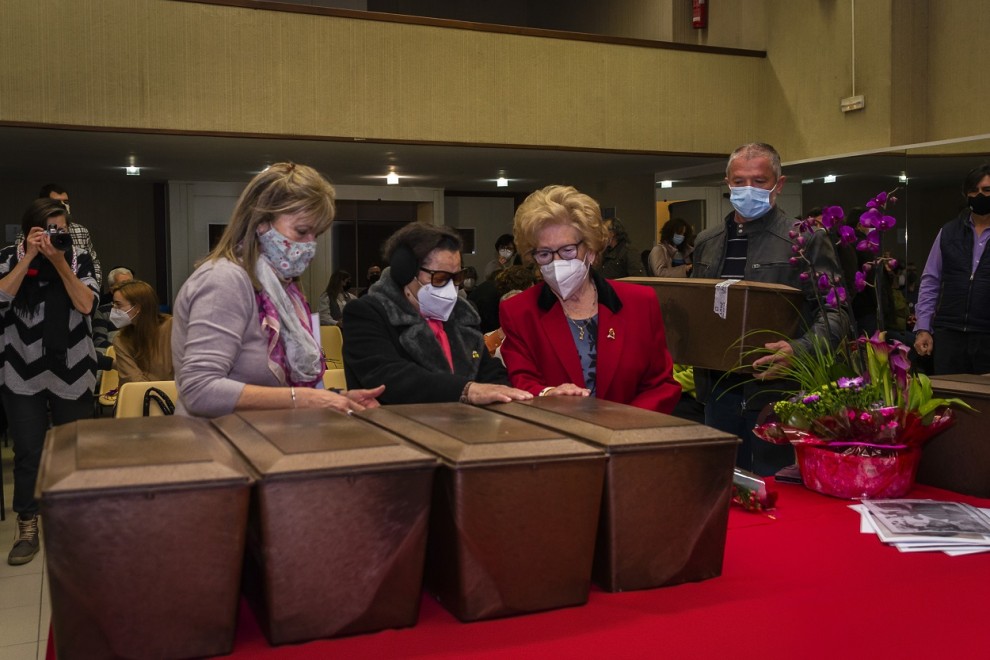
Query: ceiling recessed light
{"type": "Point", "coordinates": [392, 179]}
{"type": "Point", "coordinates": [829, 178]}
{"type": "Point", "coordinates": [667, 183]}
{"type": "Point", "coordinates": [502, 182]}
{"type": "Point", "coordinates": [903, 178]}
{"type": "Point", "coordinates": [807, 181]}
{"type": "Point", "coordinates": [132, 170]}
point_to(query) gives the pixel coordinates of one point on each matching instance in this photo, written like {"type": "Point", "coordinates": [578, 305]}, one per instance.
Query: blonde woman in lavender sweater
{"type": "Point", "coordinates": [242, 336]}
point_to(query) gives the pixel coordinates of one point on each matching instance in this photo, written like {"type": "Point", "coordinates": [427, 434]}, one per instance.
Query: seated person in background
{"type": "Point", "coordinates": [578, 334]}
{"type": "Point", "coordinates": [242, 336]}
{"type": "Point", "coordinates": [470, 281]}
{"type": "Point", "coordinates": [508, 283]}
{"type": "Point", "coordinates": [415, 335]}
{"type": "Point", "coordinates": [143, 347]}
{"type": "Point", "coordinates": [505, 256]}
{"type": "Point", "coordinates": [373, 275]}
{"type": "Point", "coordinates": [671, 257]}
{"type": "Point", "coordinates": [103, 330]}
{"type": "Point", "coordinates": [333, 299]}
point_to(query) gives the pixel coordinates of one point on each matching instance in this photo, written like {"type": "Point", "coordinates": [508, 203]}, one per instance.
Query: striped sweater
{"type": "Point", "coordinates": [25, 371]}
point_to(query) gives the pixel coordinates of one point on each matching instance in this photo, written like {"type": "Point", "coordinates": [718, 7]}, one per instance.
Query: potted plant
{"type": "Point", "coordinates": [859, 416]}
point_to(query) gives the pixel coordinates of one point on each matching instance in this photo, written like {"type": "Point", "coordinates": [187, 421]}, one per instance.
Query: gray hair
{"type": "Point", "coordinates": [115, 273]}
{"type": "Point", "coordinates": [756, 150]}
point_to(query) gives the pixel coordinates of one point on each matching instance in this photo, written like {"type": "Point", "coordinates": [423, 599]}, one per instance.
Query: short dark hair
{"type": "Point", "coordinates": [972, 181]}
{"type": "Point", "coordinates": [49, 188]}
{"type": "Point", "coordinates": [505, 240]}
{"type": "Point", "coordinates": [38, 213]}
{"type": "Point", "coordinates": [406, 249]}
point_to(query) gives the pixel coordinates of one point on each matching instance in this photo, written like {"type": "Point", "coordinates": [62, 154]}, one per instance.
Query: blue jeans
{"type": "Point", "coordinates": [726, 411]}
{"type": "Point", "coordinates": [27, 418]}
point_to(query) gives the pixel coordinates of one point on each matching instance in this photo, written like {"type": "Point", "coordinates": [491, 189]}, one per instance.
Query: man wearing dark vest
{"type": "Point", "coordinates": [954, 297]}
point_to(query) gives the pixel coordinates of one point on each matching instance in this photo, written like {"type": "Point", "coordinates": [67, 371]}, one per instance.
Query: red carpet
{"type": "Point", "coordinates": [804, 584]}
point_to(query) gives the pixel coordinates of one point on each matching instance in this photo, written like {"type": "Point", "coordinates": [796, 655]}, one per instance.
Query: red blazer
{"type": "Point", "coordinates": [634, 365]}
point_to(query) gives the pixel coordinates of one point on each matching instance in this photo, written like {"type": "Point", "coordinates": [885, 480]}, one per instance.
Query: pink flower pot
{"type": "Point", "coordinates": [854, 477]}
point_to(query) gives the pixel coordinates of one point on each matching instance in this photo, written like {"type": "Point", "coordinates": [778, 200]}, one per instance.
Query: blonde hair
{"type": "Point", "coordinates": [283, 188]}
{"type": "Point", "coordinates": [559, 205]}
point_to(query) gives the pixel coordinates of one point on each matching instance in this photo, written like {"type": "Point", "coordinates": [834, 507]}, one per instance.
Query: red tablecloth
{"type": "Point", "coordinates": [802, 583]}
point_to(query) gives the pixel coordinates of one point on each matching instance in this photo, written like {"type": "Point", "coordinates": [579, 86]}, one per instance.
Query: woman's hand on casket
{"type": "Point", "coordinates": [366, 398]}
{"type": "Point", "coordinates": [567, 389]}
{"type": "Point", "coordinates": [482, 393]}
{"type": "Point", "coordinates": [347, 402]}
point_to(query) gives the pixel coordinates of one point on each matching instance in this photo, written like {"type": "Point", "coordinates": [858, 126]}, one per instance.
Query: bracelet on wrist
{"type": "Point", "coordinates": [544, 391]}
{"type": "Point", "coordinates": [464, 392]}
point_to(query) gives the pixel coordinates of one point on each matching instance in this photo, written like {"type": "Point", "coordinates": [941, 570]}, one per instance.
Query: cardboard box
{"type": "Point", "coordinates": [515, 506]}
{"type": "Point", "coordinates": [338, 523]}
{"type": "Point", "coordinates": [697, 336]}
{"type": "Point", "coordinates": [144, 523]}
{"type": "Point", "coordinates": [668, 483]}
{"type": "Point", "coordinates": [959, 459]}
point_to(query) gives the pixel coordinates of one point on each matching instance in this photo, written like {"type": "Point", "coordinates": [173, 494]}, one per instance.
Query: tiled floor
{"type": "Point", "coordinates": [25, 610]}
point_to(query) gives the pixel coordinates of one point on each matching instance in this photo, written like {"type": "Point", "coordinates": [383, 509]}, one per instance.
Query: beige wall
{"type": "Point", "coordinates": [191, 67]}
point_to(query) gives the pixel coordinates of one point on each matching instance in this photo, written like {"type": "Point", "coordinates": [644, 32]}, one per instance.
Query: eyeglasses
{"type": "Point", "coordinates": [439, 278]}
{"type": "Point", "coordinates": [544, 256]}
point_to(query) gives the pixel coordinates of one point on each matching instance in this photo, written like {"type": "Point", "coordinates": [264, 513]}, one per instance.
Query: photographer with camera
{"type": "Point", "coordinates": [47, 292]}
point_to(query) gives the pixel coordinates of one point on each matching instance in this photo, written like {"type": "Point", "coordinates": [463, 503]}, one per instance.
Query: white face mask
{"type": "Point", "coordinates": [437, 302]}
{"type": "Point", "coordinates": [565, 276]}
{"type": "Point", "coordinates": [506, 254]}
{"type": "Point", "coordinates": [120, 318]}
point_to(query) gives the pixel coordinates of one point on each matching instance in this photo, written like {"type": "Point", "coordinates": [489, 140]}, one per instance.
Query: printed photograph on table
{"type": "Point", "coordinates": [912, 519]}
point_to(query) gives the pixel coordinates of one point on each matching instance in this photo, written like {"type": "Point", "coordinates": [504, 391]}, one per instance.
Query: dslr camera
{"type": "Point", "coordinates": [60, 238]}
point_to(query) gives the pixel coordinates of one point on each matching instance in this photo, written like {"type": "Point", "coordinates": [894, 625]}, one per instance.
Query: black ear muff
{"type": "Point", "coordinates": [403, 266]}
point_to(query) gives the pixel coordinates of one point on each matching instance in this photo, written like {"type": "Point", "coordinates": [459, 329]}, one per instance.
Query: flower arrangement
{"type": "Point", "coordinates": [860, 415]}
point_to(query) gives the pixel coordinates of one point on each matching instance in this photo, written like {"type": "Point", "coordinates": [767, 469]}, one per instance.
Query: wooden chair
{"type": "Point", "coordinates": [333, 346]}
{"type": "Point", "coordinates": [130, 399]}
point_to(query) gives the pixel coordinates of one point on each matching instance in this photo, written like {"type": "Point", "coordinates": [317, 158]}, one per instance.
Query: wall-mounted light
{"type": "Point", "coordinates": [501, 182]}
{"type": "Point", "coordinates": [829, 178]}
{"type": "Point", "coordinates": [133, 170]}
{"type": "Point", "coordinates": [392, 179]}
{"type": "Point", "coordinates": [903, 178]}
{"type": "Point", "coordinates": [805, 182]}
{"type": "Point", "coordinates": [666, 183]}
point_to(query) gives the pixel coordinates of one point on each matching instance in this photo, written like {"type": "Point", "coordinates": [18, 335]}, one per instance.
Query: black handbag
{"type": "Point", "coordinates": [161, 398]}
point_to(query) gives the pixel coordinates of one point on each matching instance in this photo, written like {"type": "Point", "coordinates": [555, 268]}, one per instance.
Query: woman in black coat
{"type": "Point", "coordinates": [415, 335]}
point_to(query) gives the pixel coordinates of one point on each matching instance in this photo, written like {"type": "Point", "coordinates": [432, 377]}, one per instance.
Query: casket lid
{"type": "Point", "coordinates": [136, 453]}
{"type": "Point", "coordinates": [464, 435]}
{"type": "Point", "coordinates": [282, 443]}
{"type": "Point", "coordinates": [962, 384]}
{"type": "Point", "coordinates": [614, 427]}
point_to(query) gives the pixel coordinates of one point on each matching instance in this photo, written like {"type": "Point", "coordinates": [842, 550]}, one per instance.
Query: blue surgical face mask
{"type": "Point", "coordinates": [678, 239]}
{"type": "Point", "coordinates": [750, 202]}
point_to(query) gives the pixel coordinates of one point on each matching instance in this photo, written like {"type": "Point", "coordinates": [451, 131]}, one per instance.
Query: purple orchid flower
{"type": "Point", "coordinates": [823, 282]}
{"type": "Point", "coordinates": [860, 280]}
{"type": "Point", "coordinates": [871, 243]}
{"type": "Point", "coordinates": [886, 222]}
{"type": "Point", "coordinates": [871, 218]}
{"type": "Point", "coordinates": [832, 215]}
{"type": "Point", "coordinates": [835, 297]}
{"type": "Point", "coordinates": [847, 235]}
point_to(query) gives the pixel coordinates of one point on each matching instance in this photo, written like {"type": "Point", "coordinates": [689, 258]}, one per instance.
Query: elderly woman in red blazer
{"type": "Point", "coordinates": [578, 334]}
